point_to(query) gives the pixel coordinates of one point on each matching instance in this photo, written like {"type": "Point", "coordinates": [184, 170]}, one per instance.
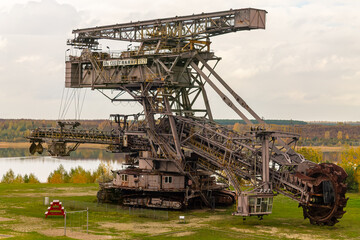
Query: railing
{"type": "Point", "coordinates": [73, 135]}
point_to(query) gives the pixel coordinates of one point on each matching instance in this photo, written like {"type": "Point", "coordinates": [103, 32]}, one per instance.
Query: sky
{"type": "Point", "coordinates": [305, 65]}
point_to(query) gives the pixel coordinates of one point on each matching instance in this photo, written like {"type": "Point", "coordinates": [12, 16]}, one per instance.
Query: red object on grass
{"type": "Point", "coordinates": [55, 209]}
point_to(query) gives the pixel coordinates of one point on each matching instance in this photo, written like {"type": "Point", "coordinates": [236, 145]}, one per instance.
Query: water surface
{"type": "Point", "coordinates": [20, 161]}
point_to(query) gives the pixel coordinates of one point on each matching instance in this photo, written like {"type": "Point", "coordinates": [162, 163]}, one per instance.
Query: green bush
{"type": "Point", "coordinates": [8, 177]}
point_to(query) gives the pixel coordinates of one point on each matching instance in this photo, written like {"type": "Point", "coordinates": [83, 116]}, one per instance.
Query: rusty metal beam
{"type": "Point", "coordinates": [196, 26]}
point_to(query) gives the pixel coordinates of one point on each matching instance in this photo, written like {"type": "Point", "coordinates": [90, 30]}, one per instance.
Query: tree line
{"type": "Point", "coordinates": [317, 134]}
{"type": "Point", "coordinates": [60, 175]}
{"type": "Point", "coordinates": [15, 130]}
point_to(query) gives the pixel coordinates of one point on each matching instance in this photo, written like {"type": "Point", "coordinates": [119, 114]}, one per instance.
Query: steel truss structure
{"type": "Point", "coordinates": [167, 74]}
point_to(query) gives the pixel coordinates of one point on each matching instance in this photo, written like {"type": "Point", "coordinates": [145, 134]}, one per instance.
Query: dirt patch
{"type": "Point", "coordinates": [74, 234]}
{"type": "Point", "coordinates": [3, 219]}
{"type": "Point", "coordinates": [283, 234]}
{"type": "Point", "coordinates": [271, 230]}
{"type": "Point", "coordinates": [149, 228]}
{"type": "Point", "coordinates": [182, 234]}
{"type": "Point", "coordinates": [243, 230]}
{"type": "Point", "coordinates": [276, 232]}
{"type": "Point", "coordinates": [220, 210]}
{"type": "Point", "coordinates": [210, 218]}
{"type": "Point", "coordinates": [3, 236]}
{"type": "Point", "coordinates": [70, 189]}
{"type": "Point", "coordinates": [299, 236]}
{"type": "Point", "coordinates": [24, 226]}
{"type": "Point", "coordinates": [155, 228]}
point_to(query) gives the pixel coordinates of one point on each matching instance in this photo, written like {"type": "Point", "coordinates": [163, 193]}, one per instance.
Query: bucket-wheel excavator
{"type": "Point", "coordinates": [175, 150]}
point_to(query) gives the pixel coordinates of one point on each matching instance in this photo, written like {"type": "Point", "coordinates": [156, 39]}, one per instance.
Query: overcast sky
{"type": "Point", "coordinates": [304, 66]}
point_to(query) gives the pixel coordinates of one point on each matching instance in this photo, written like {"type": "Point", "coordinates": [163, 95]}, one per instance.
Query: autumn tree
{"type": "Point", "coordinates": [350, 162]}
{"type": "Point", "coordinates": [103, 172]}
{"type": "Point", "coordinates": [19, 179]}
{"type": "Point", "coordinates": [327, 135]}
{"type": "Point", "coordinates": [79, 175]}
{"type": "Point", "coordinates": [237, 127]}
{"type": "Point", "coordinates": [59, 175]}
{"type": "Point", "coordinates": [339, 135]}
{"type": "Point", "coordinates": [8, 177]}
{"type": "Point", "coordinates": [311, 154]}
{"type": "Point", "coordinates": [33, 178]}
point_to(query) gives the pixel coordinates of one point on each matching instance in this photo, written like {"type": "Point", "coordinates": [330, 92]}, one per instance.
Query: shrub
{"type": "Point", "coordinates": [78, 175]}
{"type": "Point", "coordinates": [59, 175]}
{"type": "Point", "coordinates": [33, 178]}
{"type": "Point", "coordinates": [311, 154]}
{"type": "Point", "coordinates": [103, 172]}
{"type": "Point", "coordinates": [8, 177]}
{"type": "Point", "coordinates": [350, 162]}
{"type": "Point", "coordinates": [19, 179]}
{"type": "Point", "coordinates": [26, 178]}
{"type": "Point", "coordinates": [352, 179]}
{"type": "Point", "coordinates": [55, 178]}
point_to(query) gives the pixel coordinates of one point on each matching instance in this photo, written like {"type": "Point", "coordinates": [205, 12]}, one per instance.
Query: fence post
{"type": "Point", "coordinates": [65, 224]}
{"type": "Point", "coordinates": [87, 220]}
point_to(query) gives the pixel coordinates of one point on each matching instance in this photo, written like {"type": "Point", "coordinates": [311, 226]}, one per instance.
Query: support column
{"type": "Point", "coordinates": [265, 161]}
{"type": "Point", "coordinates": [173, 129]}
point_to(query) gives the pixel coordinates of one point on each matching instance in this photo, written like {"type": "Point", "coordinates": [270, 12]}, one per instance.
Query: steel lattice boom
{"type": "Point", "coordinates": [199, 26]}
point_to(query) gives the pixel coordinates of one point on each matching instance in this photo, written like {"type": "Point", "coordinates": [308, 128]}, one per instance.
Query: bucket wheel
{"type": "Point", "coordinates": [327, 201]}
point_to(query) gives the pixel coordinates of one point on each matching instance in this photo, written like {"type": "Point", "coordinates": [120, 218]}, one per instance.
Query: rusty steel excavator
{"type": "Point", "coordinates": [175, 150]}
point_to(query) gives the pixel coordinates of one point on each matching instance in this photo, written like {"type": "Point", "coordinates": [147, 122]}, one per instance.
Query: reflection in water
{"type": "Point", "coordinates": [20, 161]}
{"type": "Point", "coordinates": [331, 156]}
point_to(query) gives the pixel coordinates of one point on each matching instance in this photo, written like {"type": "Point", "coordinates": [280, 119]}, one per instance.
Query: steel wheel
{"type": "Point", "coordinates": [327, 202]}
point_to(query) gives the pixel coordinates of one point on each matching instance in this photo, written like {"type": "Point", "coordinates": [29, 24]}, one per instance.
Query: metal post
{"type": "Point", "coordinates": [65, 224]}
{"type": "Point", "coordinates": [87, 220]}
{"type": "Point", "coordinates": [265, 161]}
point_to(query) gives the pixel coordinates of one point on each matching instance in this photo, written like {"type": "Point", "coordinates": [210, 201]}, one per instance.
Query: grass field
{"type": "Point", "coordinates": [22, 217]}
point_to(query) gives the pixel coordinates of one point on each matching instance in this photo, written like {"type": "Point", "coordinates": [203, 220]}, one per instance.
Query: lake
{"type": "Point", "coordinates": [334, 156]}
{"type": "Point", "coordinates": [21, 162]}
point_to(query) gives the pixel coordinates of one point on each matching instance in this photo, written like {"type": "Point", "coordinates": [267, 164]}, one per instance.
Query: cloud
{"type": "Point", "coordinates": [303, 66]}
{"type": "Point", "coordinates": [31, 58]}
{"type": "Point", "coordinates": [39, 18]}
{"type": "Point", "coordinates": [3, 43]}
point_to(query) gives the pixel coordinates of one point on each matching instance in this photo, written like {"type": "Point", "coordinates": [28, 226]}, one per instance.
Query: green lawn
{"type": "Point", "coordinates": [22, 217]}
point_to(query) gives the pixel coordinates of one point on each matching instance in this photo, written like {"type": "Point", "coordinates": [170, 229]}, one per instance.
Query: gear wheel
{"type": "Point", "coordinates": [327, 201]}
